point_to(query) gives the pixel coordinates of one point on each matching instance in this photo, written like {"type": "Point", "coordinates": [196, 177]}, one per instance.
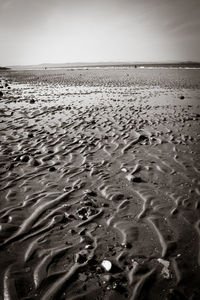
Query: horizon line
{"type": "Point", "coordinates": [106, 62]}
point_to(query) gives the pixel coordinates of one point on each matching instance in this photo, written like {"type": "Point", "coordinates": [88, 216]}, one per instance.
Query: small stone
{"type": "Point", "coordinates": [165, 270]}
{"type": "Point", "coordinates": [129, 177]}
{"type": "Point", "coordinates": [89, 247]}
{"type": "Point", "coordinates": [127, 245]}
{"type": "Point", "coordinates": [91, 193]}
{"type": "Point", "coordinates": [32, 101]}
{"type": "Point", "coordinates": [36, 163]}
{"type": "Point", "coordinates": [11, 166]}
{"type": "Point", "coordinates": [70, 217]}
{"type": "Point", "coordinates": [50, 152]}
{"type": "Point", "coordinates": [82, 232]}
{"type": "Point", "coordinates": [72, 231]}
{"type": "Point", "coordinates": [182, 97]}
{"type": "Point", "coordinates": [81, 258]}
{"type": "Point", "coordinates": [24, 158]}
{"type": "Point", "coordinates": [137, 179]}
{"type": "Point", "coordinates": [115, 285]}
{"type": "Point", "coordinates": [107, 265]}
{"type": "Point", "coordinates": [52, 169]}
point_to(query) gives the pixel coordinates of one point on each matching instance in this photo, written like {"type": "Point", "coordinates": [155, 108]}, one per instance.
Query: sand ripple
{"type": "Point", "coordinates": [102, 168]}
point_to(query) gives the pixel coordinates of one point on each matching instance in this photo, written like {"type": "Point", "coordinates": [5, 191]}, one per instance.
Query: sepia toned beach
{"type": "Point", "coordinates": [100, 184]}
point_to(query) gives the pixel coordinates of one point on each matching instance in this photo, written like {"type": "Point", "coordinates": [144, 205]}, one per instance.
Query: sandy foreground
{"type": "Point", "coordinates": [100, 184]}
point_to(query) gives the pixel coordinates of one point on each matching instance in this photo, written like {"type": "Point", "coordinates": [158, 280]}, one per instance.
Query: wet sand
{"type": "Point", "coordinates": [100, 184]}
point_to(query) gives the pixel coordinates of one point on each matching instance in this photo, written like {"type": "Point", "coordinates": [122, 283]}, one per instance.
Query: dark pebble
{"type": "Point", "coordinates": [81, 258]}
{"type": "Point", "coordinates": [52, 169]}
{"type": "Point", "coordinates": [137, 179]}
{"type": "Point", "coordinates": [82, 232]}
{"type": "Point", "coordinates": [17, 158]}
{"type": "Point", "coordinates": [142, 138]}
{"type": "Point", "coordinates": [36, 163]}
{"type": "Point", "coordinates": [11, 166]}
{"type": "Point", "coordinates": [182, 97]}
{"type": "Point", "coordinates": [32, 101]}
{"type": "Point", "coordinates": [71, 217]}
{"type": "Point", "coordinates": [91, 193]}
{"type": "Point", "coordinates": [24, 158]}
{"type": "Point", "coordinates": [72, 231]}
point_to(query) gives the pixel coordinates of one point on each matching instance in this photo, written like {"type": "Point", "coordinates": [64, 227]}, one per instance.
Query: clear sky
{"type": "Point", "coordinates": [61, 31]}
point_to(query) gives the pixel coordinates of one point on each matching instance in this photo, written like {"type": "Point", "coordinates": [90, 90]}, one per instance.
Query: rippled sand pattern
{"type": "Point", "coordinates": [100, 165]}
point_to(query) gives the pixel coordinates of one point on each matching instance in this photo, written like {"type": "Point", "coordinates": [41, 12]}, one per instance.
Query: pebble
{"type": "Point", "coordinates": [30, 135]}
{"type": "Point", "coordinates": [24, 158]}
{"type": "Point", "coordinates": [91, 193]}
{"type": "Point", "coordinates": [36, 163]}
{"type": "Point", "coordinates": [81, 258]}
{"type": "Point", "coordinates": [126, 245]}
{"type": "Point", "coordinates": [11, 166]}
{"type": "Point", "coordinates": [89, 247]}
{"type": "Point", "coordinates": [137, 179]}
{"type": "Point", "coordinates": [107, 265]}
{"type": "Point", "coordinates": [72, 231]}
{"type": "Point", "coordinates": [165, 270]}
{"type": "Point", "coordinates": [52, 169]}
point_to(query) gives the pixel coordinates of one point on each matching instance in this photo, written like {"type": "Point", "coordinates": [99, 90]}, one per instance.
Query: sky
{"type": "Point", "coordinates": [66, 31]}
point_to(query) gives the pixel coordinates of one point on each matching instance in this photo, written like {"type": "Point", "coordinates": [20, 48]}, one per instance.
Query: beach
{"type": "Point", "coordinates": [100, 184]}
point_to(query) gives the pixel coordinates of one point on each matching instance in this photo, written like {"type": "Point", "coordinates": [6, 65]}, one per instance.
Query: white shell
{"type": "Point", "coordinates": [106, 264]}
